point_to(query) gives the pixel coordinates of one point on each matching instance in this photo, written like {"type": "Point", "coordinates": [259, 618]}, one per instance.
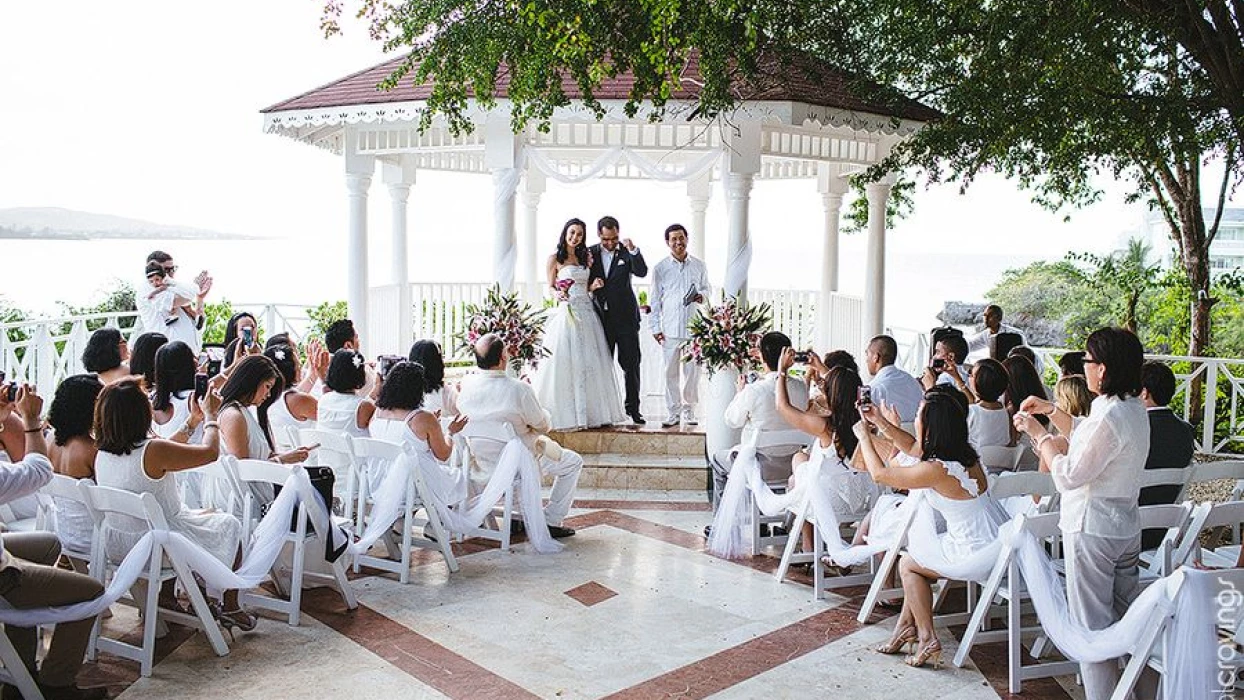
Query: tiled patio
{"type": "Point", "coordinates": [632, 608]}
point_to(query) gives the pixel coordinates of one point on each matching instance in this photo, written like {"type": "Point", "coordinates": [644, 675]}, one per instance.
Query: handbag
{"type": "Point", "coordinates": [322, 481]}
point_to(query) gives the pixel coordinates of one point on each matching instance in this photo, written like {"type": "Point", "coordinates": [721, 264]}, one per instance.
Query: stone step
{"type": "Point", "coordinates": [633, 442]}
{"type": "Point", "coordinates": [613, 470]}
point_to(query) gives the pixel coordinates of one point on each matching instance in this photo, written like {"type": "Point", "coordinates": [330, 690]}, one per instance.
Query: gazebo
{"type": "Point", "coordinates": [802, 120]}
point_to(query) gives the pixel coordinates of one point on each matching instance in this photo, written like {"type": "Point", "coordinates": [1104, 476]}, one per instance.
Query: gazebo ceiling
{"type": "Point", "coordinates": [807, 109]}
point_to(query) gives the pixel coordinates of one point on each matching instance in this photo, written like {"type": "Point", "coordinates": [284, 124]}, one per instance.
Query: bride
{"type": "Point", "coordinates": [576, 384]}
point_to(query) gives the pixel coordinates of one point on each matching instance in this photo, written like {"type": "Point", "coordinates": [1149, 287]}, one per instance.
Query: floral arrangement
{"type": "Point", "coordinates": [725, 336]}
{"type": "Point", "coordinates": [520, 326]}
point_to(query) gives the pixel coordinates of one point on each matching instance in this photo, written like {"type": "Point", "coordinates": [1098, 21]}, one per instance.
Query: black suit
{"type": "Point", "coordinates": [619, 312]}
{"type": "Point", "coordinates": [1171, 444]}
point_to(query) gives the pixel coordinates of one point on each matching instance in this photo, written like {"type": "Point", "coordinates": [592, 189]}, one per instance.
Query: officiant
{"type": "Point", "coordinates": [679, 286]}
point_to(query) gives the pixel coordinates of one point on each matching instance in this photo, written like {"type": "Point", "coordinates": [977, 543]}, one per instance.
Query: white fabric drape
{"type": "Point", "coordinates": [736, 270]}
{"type": "Point", "coordinates": [534, 157]}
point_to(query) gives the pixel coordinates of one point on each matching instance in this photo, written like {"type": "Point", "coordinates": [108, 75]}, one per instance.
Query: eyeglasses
{"type": "Point", "coordinates": [1091, 361]}
{"type": "Point", "coordinates": [170, 269]}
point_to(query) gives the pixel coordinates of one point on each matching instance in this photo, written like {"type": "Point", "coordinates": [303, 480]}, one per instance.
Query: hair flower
{"type": "Point", "coordinates": [358, 361]}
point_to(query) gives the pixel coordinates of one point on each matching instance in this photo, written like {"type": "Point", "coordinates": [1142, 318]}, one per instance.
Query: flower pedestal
{"type": "Point", "coordinates": [721, 389]}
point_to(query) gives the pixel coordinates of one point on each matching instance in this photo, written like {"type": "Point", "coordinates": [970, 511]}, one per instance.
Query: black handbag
{"type": "Point", "coordinates": [322, 481]}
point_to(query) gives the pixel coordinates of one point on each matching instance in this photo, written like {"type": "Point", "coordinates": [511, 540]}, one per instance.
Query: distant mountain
{"type": "Point", "coordinates": [54, 223]}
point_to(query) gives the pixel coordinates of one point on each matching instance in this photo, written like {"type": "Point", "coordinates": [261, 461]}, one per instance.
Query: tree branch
{"type": "Point", "coordinates": [1222, 195]}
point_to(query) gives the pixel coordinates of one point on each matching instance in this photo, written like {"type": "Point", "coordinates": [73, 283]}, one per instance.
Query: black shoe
{"type": "Point", "coordinates": [636, 418]}
{"type": "Point", "coordinates": [708, 531]}
{"type": "Point", "coordinates": [517, 527]}
{"type": "Point", "coordinates": [10, 692]}
{"type": "Point", "coordinates": [428, 534]}
{"type": "Point", "coordinates": [558, 532]}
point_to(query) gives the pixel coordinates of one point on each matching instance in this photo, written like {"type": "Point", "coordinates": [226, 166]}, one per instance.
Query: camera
{"type": "Point", "coordinates": [248, 336]}
{"type": "Point", "coordinates": [200, 385]}
{"type": "Point", "coordinates": [801, 357]}
{"type": "Point", "coordinates": [384, 363]}
{"type": "Point", "coordinates": [752, 377]}
{"type": "Point", "coordinates": [865, 397]}
{"type": "Point", "coordinates": [939, 364]}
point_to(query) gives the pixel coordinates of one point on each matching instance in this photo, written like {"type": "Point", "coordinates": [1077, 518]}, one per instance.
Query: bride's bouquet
{"type": "Point", "coordinates": [724, 336]}
{"type": "Point", "coordinates": [520, 326]}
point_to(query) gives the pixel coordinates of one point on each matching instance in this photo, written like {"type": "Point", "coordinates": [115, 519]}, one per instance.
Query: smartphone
{"type": "Point", "coordinates": [752, 377]}
{"type": "Point", "coordinates": [801, 358]}
{"type": "Point", "coordinates": [215, 358]}
{"type": "Point", "coordinates": [865, 397]}
{"type": "Point", "coordinates": [386, 363]}
{"type": "Point", "coordinates": [939, 364]}
{"type": "Point", "coordinates": [248, 336]}
{"type": "Point", "coordinates": [12, 393]}
{"type": "Point", "coordinates": [200, 385]}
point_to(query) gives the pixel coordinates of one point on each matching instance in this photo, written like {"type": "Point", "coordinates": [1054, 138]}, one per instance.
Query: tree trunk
{"type": "Point", "coordinates": [1195, 259]}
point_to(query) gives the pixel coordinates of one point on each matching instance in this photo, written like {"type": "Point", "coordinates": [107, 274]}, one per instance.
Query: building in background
{"type": "Point", "coordinates": [1226, 253]}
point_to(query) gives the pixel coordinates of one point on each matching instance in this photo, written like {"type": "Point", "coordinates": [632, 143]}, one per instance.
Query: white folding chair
{"type": "Point", "coordinates": [999, 459]}
{"type": "Point", "coordinates": [878, 590]}
{"type": "Point", "coordinates": [101, 502]}
{"type": "Point", "coordinates": [1036, 485]}
{"type": "Point", "coordinates": [480, 443]}
{"type": "Point", "coordinates": [1006, 584]}
{"type": "Point", "coordinates": [821, 583]}
{"type": "Point", "coordinates": [1154, 645]}
{"type": "Point", "coordinates": [773, 442]}
{"type": "Point", "coordinates": [65, 488]}
{"type": "Point", "coordinates": [1220, 515]}
{"type": "Point", "coordinates": [14, 672]}
{"type": "Point", "coordinates": [251, 471]}
{"type": "Point", "coordinates": [337, 452]}
{"type": "Point", "coordinates": [1165, 477]}
{"type": "Point", "coordinates": [372, 454]}
{"type": "Point", "coordinates": [1174, 518]}
{"type": "Point", "coordinates": [12, 523]}
{"type": "Point", "coordinates": [1214, 471]}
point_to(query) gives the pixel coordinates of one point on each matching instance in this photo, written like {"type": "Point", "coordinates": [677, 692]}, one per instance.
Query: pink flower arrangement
{"type": "Point", "coordinates": [520, 326]}
{"type": "Point", "coordinates": [724, 336]}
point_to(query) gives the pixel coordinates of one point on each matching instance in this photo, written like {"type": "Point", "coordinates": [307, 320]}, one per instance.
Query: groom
{"type": "Point", "coordinates": [616, 305]}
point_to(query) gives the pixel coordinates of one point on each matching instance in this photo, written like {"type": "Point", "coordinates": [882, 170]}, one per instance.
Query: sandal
{"type": "Point", "coordinates": [902, 638]}
{"type": "Point", "coordinates": [931, 652]}
{"type": "Point", "coordinates": [238, 618]}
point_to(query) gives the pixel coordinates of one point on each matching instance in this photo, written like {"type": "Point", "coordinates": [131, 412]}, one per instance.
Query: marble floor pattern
{"type": "Point", "coordinates": [632, 608]}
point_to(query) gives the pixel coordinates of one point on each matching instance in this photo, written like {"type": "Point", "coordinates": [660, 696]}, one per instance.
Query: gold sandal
{"type": "Point", "coordinates": [902, 638]}
{"type": "Point", "coordinates": [929, 653]}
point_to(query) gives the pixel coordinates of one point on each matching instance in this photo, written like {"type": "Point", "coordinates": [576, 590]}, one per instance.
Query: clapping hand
{"type": "Point", "coordinates": [1036, 406]}
{"type": "Point", "coordinates": [629, 245]}
{"type": "Point", "coordinates": [204, 283]}
{"type": "Point", "coordinates": [457, 424]}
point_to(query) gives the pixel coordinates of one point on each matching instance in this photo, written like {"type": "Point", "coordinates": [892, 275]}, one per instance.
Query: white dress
{"type": "Point", "coordinates": [447, 485]}
{"type": "Point", "coordinates": [284, 425]}
{"type": "Point", "coordinates": [444, 399]}
{"type": "Point", "coordinates": [339, 412]}
{"type": "Point", "coordinates": [256, 448]}
{"type": "Point", "coordinates": [218, 533]}
{"type": "Point", "coordinates": [849, 490]}
{"type": "Point", "coordinates": [576, 383]}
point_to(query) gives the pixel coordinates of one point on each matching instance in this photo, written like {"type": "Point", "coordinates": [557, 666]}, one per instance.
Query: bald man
{"type": "Point", "coordinates": [491, 395]}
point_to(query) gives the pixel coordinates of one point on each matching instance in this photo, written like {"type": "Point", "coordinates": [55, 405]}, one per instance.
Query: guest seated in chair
{"type": "Point", "coordinates": [72, 454]}
{"type": "Point", "coordinates": [490, 395]}
{"type": "Point", "coordinates": [1171, 439]}
{"type": "Point", "coordinates": [948, 358]}
{"type": "Point", "coordinates": [754, 409]}
{"type": "Point", "coordinates": [891, 385]}
{"type": "Point", "coordinates": [29, 577]}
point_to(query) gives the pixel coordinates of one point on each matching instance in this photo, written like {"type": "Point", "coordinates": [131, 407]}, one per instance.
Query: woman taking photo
{"type": "Point", "coordinates": [72, 453]}
{"type": "Point", "coordinates": [400, 418]}
{"type": "Point", "coordinates": [130, 461]}
{"type": "Point", "coordinates": [239, 325]}
{"type": "Point", "coordinates": [1098, 474]}
{"type": "Point", "coordinates": [106, 355]}
{"type": "Point", "coordinates": [948, 475]}
{"type": "Point", "coordinates": [439, 397]}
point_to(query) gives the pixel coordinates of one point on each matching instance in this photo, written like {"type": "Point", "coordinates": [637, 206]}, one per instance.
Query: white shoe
{"type": "Point", "coordinates": [689, 417]}
{"type": "Point", "coordinates": [670, 421]}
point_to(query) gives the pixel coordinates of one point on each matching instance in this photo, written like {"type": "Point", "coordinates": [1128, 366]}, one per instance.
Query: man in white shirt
{"type": "Point", "coordinates": [948, 356]}
{"type": "Point", "coordinates": [29, 577]}
{"type": "Point", "coordinates": [754, 408]}
{"type": "Point", "coordinates": [891, 385]}
{"type": "Point", "coordinates": [491, 395]}
{"type": "Point", "coordinates": [156, 306]}
{"type": "Point", "coordinates": [979, 344]}
{"type": "Point", "coordinates": [679, 286]}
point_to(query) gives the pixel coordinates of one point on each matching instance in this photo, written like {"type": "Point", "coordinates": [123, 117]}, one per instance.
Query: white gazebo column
{"type": "Point", "coordinates": [528, 256]}
{"type": "Point", "coordinates": [399, 177]}
{"type": "Point", "coordinates": [832, 186]}
{"type": "Point", "coordinates": [699, 191]}
{"type": "Point", "coordinates": [359, 170]}
{"type": "Point", "coordinates": [742, 164]}
{"type": "Point", "coordinates": [501, 149]}
{"type": "Point", "coordinates": [877, 193]}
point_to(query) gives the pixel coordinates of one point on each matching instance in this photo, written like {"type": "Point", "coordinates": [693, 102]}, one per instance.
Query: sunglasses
{"type": "Point", "coordinates": [1091, 361]}
{"type": "Point", "coordinates": [170, 269]}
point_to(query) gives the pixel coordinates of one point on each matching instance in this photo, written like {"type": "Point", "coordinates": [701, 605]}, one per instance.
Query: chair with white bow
{"type": "Point", "coordinates": [779, 444]}
{"type": "Point", "coordinates": [478, 445]}
{"type": "Point", "coordinates": [377, 457]}
{"type": "Point", "coordinates": [336, 451]}
{"type": "Point", "coordinates": [102, 501]}
{"type": "Point", "coordinates": [256, 471]}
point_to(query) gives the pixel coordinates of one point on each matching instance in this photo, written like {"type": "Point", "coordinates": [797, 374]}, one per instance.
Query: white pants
{"type": "Point", "coordinates": [684, 396]}
{"type": "Point", "coordinates": [1103, 577]}
{"type": "Point", "coordinates": [565, 471]}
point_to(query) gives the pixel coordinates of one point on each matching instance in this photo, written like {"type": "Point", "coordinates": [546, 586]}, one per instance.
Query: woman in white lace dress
{"type": "Point", "coordinates": [950, 479]}
{"type": "Point", "coordinates": [402, 419]}
{"type": "Point", "coordinates": [72, 454]}
{"type": "Point", "coordinates": [833, 464]}
{"type": "Point", "coordinates": [576, 384]}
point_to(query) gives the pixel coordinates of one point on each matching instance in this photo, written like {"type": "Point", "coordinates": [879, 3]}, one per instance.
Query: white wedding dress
{"type": "Point", "coordinates": [576, 382]}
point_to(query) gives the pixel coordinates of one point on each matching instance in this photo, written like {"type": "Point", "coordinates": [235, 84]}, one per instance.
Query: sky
{"type": "Point", "coordinates": [150, 110]}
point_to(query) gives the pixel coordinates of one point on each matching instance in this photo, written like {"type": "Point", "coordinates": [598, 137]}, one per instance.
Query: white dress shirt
{"type": "Point", "coordinates": [755, 406]}
{"type": "Point", "coordinates": [18, 479]}
{"type": "Point", "coordinates": [606, 259]}
{"type": "Point", "coordinates": [1099, 477]}
{"type": "Point", "coordinates": [155, 311]}
{"type": "Point", "coordinates": [978, 345]}
{"type": "Point", "coordinates": [898, 389]}
{"type": "Point", "coordinates": [670, 281]}
{"type": "Point", "coordinates": [945, 378]}
{"type": "Point", "coordinates": [492, 395]}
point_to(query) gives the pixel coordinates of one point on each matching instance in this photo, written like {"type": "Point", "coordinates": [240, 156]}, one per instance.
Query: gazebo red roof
{"type": "Point", "coordinates": [804, 79]}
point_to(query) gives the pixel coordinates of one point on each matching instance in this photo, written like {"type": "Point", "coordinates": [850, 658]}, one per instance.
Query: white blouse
{"type": "Point", "coordinates": [1099, 477]}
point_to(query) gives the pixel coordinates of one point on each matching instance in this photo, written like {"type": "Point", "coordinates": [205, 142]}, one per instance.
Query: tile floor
{"type": "Point", "coordinates": [632, 608]}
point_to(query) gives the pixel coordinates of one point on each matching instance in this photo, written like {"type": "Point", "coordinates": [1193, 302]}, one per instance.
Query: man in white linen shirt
{"type": "Point", "coordinates": [891, 385]}
{"type": "Point", "coordinates": [29, 577]}
{"type": "Point", "coordinates": [754, 408]}
{"type": "Point", "coordinates": [1098, 476]}
{"type": "Point", "coordinates": [950, 351]}
{"type": "Point", "coordinates": [979, 344]}
{"type": "Point", "coordinates": [679, 286]}
{"type": "Point", "coordinates": [490, 395]}
{"type": "Point", "coordinates": [155, 310]}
